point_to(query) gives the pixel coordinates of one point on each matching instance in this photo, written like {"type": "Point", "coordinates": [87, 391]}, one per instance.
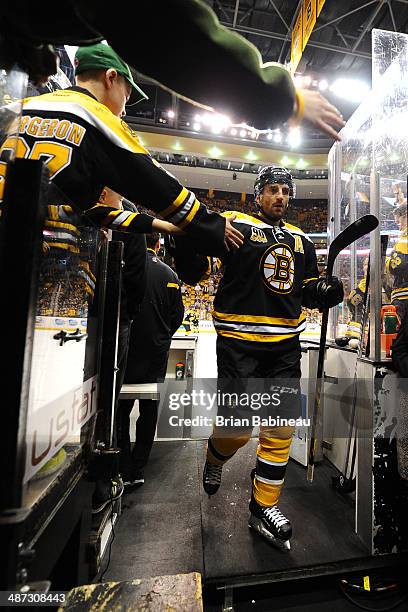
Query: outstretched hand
{"type": "Point", "coordinates": [233, 238]}
{"type": "Point", "coordinates": [319, 113]}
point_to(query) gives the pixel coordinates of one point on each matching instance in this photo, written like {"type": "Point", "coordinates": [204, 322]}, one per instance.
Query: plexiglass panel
{"type": "Point", "coordinates": [63, 386]}
{"type": "Point", "coordinates": [368, 173]}
{"type": "Point", "coordinates": [13, 84]}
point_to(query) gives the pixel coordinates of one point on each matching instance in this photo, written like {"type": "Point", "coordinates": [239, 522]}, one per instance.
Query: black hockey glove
{"type": "Point", "coordinates": [331, 294]}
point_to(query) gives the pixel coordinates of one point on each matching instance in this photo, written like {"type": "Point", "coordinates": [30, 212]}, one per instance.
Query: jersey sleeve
{"type": "Point", "coordinates": [138, 177]}
{"type": "Point", "coordinates": [120, 220]}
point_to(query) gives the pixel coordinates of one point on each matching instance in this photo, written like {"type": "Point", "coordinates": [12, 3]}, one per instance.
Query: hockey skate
{"type": "Point", "coordinates": [270, 523]}
{"type": "Point", "coordinates": [211, 477]}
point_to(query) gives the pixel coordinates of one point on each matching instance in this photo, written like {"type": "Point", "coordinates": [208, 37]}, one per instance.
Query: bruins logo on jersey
{"type": "Point", "coordinates": [355, 298]}
{"type": "Point", "coordinates": [395, 261]}
{"type": "Point", "coordinates": [257, 235]}
{"type": "Point", "coordinates": [278, 268]}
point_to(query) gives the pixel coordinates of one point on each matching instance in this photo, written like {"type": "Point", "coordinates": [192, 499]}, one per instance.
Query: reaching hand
{"type": "Point", "coordinates": [313, 108]}
{"type": "Point", "coordinates": [233, 238]}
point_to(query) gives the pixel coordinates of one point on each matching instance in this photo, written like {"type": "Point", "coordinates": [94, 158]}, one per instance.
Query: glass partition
{"type": "Point", "coordinates": [368, 173]}
{"type": "Point", "coordinates": [63, 380]}
{"type": "Point", "coordinates": [13, 85]}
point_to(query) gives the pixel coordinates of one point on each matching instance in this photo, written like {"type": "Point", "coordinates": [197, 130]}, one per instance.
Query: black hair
{"type": "Point", "coordinates": [152, 239]}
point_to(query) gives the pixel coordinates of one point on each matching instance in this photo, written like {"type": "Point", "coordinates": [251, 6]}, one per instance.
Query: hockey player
{"type": "Point", "coordinates": [396, 265]}
{"type": "Point", "coordinates": [355, 304]}
{"type": "Point", "coordinates": [258, 319]}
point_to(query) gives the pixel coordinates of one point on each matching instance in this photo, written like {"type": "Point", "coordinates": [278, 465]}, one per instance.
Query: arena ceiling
{"type": "Point", "coordinates": [340, 41]}
{"type": "Point", "coordinates": [339, 47]}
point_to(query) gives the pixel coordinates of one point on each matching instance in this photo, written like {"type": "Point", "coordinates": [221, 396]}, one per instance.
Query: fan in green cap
{"type": "Point", "coordinates": [103, 57]}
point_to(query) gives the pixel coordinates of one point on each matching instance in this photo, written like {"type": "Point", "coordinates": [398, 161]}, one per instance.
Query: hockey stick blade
{"type": "Point", "coordinates": [362, 226]}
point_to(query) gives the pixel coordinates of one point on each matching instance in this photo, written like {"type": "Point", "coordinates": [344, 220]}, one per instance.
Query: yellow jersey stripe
{"type": "Point", "coordinates": [190, 215]}
{"type": "Point", "coordinates": [53, 212]}
{"type": "Point", "coordinates": [129, 219]}
{"type": "Point", "coordinates": [246, 219]}
{"type": "Point", "coordinates": [111, 217]}
{"type": "Point", "coordinates": [175, 285]}
{"type": "Point", "coordinates": [308, 280]}
{"type": "Point", "coordinates": [176, 203]}
{"type": "Point", "coordinates": [62, 245]}
{"type": "Point", "coordinates": [258, 319]}
{"type": "Point", "coordinates": [60, 225]}
{"type": "Point", "coordinates": [255, 337]}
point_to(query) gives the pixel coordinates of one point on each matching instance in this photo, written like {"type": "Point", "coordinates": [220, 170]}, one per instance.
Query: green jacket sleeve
{"type": "Point", "coordinates": [199, 59]}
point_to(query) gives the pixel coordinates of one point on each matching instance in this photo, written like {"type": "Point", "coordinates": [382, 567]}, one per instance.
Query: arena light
{"type": "Point", "coordinates": [301, 164]}
{"type": "Point", "coordinates": [171, 114]}
{"type": "Point", "coordinates": [219, 123]}
{"type": "Point", "coordinates": [215, 151]}
{"type": "Point", "coordinates": [207, 119]}
{"type": "Point", "coordinates": [350, 89]}
{"type": "Point", "coordinates": [269, 136]}
{"type": "Point", "coordinates": [277, 137]}
{"type": "Point", "coordinates": [306, 81]}
{"type": "Point", "coordinates": [251, 156]}
{"type": "Point", "coordinates": [197, 118]}
{"type": "Point", "coordinates": [233, 132]}
{"type": "Point", "coordinates": [286, 161]}
{"type": "Point", "coordinates": [323, 85]}
{"type": "Point", "coordinates": [294, 138]}
{"type": "Point", "coordinates": [196, 126]}
{"type": "Point", "coordinates": [243, 133]}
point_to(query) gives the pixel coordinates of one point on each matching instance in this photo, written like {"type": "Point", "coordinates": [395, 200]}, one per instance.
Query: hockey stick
{"type": "Point", "coordinates": [350, 234]}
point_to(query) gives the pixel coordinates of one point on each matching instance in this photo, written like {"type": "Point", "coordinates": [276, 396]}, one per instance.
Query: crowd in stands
{"type": "Point", "coordinates": [67, 282]}
{"type": "Point", "coordinates": [63, 297]}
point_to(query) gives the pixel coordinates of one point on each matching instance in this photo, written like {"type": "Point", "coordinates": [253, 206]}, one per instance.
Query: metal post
{"type": "Point", "coordinates": [106, 400]}
{"type": "Point", "coordinates": [375, 270]}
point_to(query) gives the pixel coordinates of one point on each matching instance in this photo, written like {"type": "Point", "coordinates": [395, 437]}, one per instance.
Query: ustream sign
{"type": "Point", "coordinates": [56, 423]}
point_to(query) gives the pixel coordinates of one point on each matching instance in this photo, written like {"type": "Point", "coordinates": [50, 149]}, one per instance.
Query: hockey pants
{"type": "Point", "coordinates": [250, 370]}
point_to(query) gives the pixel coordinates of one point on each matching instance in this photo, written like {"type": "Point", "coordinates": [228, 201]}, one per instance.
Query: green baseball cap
{"type": "Point", "coordinates": [103, 57]}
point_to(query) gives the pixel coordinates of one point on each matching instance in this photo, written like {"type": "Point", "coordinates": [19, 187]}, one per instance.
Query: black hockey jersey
{"type": "Point", "coordinates": [86, 147]}
{"type": "Point", "coordinates": [397, 266]}
{"type": "Point", "coordinates": [265, 282]}
{"type": "Point", "coordinates": [355, 305]}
